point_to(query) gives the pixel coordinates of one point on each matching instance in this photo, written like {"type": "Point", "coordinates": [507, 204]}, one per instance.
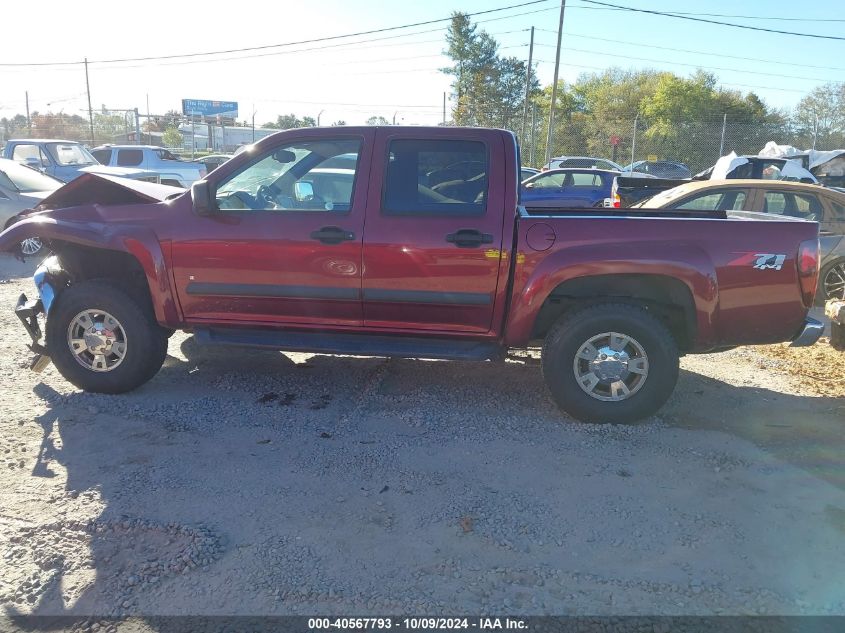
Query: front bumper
{"type": "Point", "coordinates": [836, 311]}
{"type": "Point", "coordinates": [810, 334]}
{"type": "Point", "coordinates": [27, 311]}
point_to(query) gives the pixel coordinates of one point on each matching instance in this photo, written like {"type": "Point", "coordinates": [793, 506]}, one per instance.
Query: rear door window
{"type": "Point", "coordinates": [585, 180]}
{"type": "Point", "coordinates": [409, 191]}
{"type": "Point", "coordinates": [794, 205]}
{"type": "Point", "coordinates": [130, 157]}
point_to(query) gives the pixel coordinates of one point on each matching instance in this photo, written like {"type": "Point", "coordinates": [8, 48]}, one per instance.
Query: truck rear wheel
{"type": "Point", "coordinates": [610, 363]}
{"type": "Point", "coordinates": [102, 340]}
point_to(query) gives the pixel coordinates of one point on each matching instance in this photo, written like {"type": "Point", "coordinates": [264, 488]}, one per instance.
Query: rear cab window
{"type": "Point", "coordinates": [103, 156]}
{"type": "Point", "coordinates": [414, 183]}
{"type": "Point", "coordinates": [130, 157]}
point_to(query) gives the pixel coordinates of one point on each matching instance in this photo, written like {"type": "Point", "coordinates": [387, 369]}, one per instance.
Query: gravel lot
{"type": "Point", "coordinates": [239, 482]}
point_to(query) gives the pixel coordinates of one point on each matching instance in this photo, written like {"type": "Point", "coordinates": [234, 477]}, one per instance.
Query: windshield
{"type": "Point", "coordinates": [26, 180]}
{"type": "Point", "coordinates": [71, 154]}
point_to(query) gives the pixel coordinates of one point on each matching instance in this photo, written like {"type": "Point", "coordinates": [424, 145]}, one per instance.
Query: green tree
{"type": "Point", "coordinates": [172, 137]}
{"type": "Point", "coordinates": [291, 121]}
{"type": "Point", "coordinates": [821, 115]}
{"type": "Point", "coordinates": [377, 120]}
{"type": "Point", "coordinates": [487, 89]}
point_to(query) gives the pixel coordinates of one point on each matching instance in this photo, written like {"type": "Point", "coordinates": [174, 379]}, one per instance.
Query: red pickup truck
{"type": "Point", "coordinates": [409, 242]}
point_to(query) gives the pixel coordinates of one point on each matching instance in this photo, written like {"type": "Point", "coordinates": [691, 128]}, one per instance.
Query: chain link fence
{"type": "Point", "coordinates": [697, 144]}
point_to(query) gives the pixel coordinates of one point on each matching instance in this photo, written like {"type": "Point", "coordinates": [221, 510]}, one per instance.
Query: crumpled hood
{"type": "Point", "coordinates": [107, 191]}
{"type": "Point", "coordinates": [94, 209]}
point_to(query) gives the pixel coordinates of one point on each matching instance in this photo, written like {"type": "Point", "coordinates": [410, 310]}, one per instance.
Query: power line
{"type": "Point", "coordinates": [686, 50]}
{"type": "Point", "coordinates": [731, 15]}
{"type": "Point", "coordinates": [285, 44]}
{"type": "Point", "coordinates": [314, 48]}
{"type": "Point", "coordinates": [693, 19]}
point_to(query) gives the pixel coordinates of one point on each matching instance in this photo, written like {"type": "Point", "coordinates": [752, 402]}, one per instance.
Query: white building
{"type": "Point", "coordinates": [222, 138]}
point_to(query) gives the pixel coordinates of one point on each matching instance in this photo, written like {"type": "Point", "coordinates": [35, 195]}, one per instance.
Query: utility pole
{"type": "Point", "coordinates": [444, 108]}
{"type": "Point", "coordinates": [533, 134]}
{"type": "Point", "coordinates": [137, 127]}
{"type": "Point", "coordinates": [90, 109]}
{"type": "Point", "coordinates": [28, 120]}
{"type": "Point", "coordinates": [319, 114]}
{"type": "Point", "coordinates": [722, 142]}
{"type": "Point", "coordinates": [149, 135]}
{"type": "Point", "coordinates": [550, 135]}
{"type": "Point", "coordinates": [634, 140]}
{"type": "Point", "coordinates": [253, 123]}
{"type": "Point", "coordinates": [527, 85]}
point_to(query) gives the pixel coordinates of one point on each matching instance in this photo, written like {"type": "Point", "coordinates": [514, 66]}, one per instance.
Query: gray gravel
{"type": "Point", "coordinates": [243, 482]}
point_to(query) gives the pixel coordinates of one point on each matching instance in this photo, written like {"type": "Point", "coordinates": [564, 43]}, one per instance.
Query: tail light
{"type": "Point", "coordinates": [808, 270]}
{"type": "Point", "coordinates": [617, 200]}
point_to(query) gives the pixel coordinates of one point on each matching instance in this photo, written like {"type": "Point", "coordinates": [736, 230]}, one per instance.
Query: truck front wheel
{"type": "Point", "coordinates": [102, 340]}
{"type": "Point", "coordinates": [610, 363]}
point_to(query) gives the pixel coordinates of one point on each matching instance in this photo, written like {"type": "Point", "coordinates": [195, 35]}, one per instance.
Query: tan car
{"type": "Point", "coordinates": [778, 199]}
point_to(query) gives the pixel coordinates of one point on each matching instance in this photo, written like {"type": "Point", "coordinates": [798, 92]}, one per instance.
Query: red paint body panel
{"type": "Point", "coordinates": [408, 256]}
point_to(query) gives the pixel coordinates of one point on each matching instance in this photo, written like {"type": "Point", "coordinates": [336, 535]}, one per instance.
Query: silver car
{"type": "Point", "coordinates": [23, 188]}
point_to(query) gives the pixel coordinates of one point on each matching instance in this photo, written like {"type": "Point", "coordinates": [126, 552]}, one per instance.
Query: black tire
{"type": "Point", "coordinates": [574, 329]}
{"type": "Point", "coordinates": [146, 341]}
{"type": "Point", "coordinates": [821, 294]}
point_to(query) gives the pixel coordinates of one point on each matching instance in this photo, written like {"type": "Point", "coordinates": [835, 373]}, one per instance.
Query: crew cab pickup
{"type": "Point", "coordinates": [171, 169]}
{"type": "Point", "coordinates": [277, 249]}
{"type": "Point", "coordinates": [66, 160]}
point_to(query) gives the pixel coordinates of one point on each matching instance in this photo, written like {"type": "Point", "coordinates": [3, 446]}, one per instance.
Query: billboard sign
{"type": "Point", "coordinates": [201, 107]}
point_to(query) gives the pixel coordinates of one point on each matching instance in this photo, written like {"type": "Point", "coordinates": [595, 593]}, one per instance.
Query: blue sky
{"type": "Point", "coordinates": [390, 77]}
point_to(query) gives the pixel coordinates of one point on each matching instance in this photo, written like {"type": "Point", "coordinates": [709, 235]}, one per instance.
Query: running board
{"type": "Point", "coordinates": [352, 344]}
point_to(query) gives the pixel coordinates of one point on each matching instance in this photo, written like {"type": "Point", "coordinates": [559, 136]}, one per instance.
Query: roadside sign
{"type": "Point", "coordinates": [201, 107]}
{"type": "Point", "coordinates": [614, 140]}
{"type": "Point", "coordinates": [652, 157]}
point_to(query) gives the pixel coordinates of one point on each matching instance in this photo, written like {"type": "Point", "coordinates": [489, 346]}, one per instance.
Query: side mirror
{"type": "Point", "coordinates": [201, 198]}
{"type": "Point", "coordinates": [303, 190]}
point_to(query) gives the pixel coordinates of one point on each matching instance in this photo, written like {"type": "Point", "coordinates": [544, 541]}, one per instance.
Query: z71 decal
{"type": "Point", "coordinates": [769, 261]}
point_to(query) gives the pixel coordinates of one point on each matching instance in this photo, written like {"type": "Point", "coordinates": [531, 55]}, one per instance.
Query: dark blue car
{"type": "Point", "coordinates": [568, 188]}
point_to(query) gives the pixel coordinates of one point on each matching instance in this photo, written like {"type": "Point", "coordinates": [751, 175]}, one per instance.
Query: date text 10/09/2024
{"type": "Point", "coordinates": [480, 623]}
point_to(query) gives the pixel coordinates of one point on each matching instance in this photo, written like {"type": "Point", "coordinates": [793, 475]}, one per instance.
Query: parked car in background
{"type": "Point", "coordinates": [258, 255]}
{"type": "Point", "coordinates": [66, 160]}
{"type": "Point", "coordinates": [23, 188]}
{"type": "Point", "coordinates": [586, 162]}
{"type": "Point", "coordinates": [171, 169]}
{"type": "Point", "coordinates": [777, 200]}
{"type": "Point", "coordinates": [658, 169]}
{"type": "Point", "coordinates": [577, 188]}
{"type": "Point", "coordinates": [629, 191]}
{"type": "Point", "coordinates": [526, 172]}
{"type": "Point", "coordinates": [213, 161]}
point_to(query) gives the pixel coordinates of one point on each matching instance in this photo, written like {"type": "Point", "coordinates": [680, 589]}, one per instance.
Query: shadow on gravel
{"type": "Point", "coordinates": [351, 456]}
{"type": "Point", "coordinates": [806, 431]}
